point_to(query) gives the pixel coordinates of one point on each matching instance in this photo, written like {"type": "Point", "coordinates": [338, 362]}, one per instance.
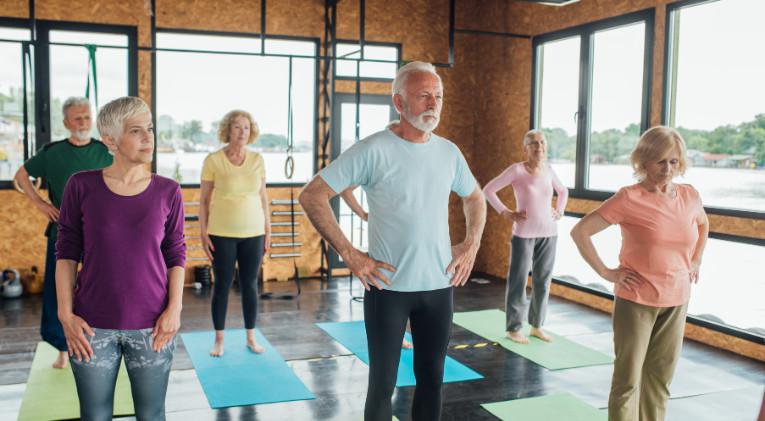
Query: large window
{"type": "Point", "coordinates": [12, 74]}
{"type": "Point", "coordinates": [66, 59]}
{"type": "Point", "coordinates": [729, 290]}
{"type": "Point", "coordinates": [379, 61]}
{"type": "Point", "coordinates": [591, 99]}
{"type": "Point", "coordinates": [558, 101]}
{"type": "Point", "coordinates": [83, 64]}
{"type": "Point", "coordinates": [715, 89]}
{"type": "Point", "coordinates": [195, 89]}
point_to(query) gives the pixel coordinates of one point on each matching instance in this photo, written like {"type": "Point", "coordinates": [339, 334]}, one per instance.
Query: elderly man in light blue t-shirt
{"type": "Point", "coordinates": [408, 174]}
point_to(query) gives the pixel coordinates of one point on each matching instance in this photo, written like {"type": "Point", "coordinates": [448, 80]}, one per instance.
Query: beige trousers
{"type": "Point", "coordinates": [647, 343]}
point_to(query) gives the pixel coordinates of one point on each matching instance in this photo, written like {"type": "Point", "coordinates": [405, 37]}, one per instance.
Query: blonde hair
{"type": "Point", "coordinates": [656, 144]}
{"type": "Point", "coordinates": [112, 116]}
{"type": "Point", "coordinates": [225, 125]}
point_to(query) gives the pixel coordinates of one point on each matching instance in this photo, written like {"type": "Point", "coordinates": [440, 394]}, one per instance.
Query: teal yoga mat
{"type": "Point", "coordinates": [556, 355]}
{"type": "Point", "coordinates": [546, 408]}
{"type": "Point", "coordinates": [353, 336]}
{"type": "Point", "coordinates": [241, 377]}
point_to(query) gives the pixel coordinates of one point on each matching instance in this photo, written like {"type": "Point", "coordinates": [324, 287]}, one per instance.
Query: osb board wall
{"type": "Point", "coordinates": [21, 230]}
{"type": "Point", "coordinates": [501, 122]}
{"type": "Point", "coordinates": [115, 12]}
{"type": "Point", "coordinates": [693, 332]}
{"type": "Point", "coordinates": [422, 27]}
{"type": "Point", "coordinates": [15, 8]}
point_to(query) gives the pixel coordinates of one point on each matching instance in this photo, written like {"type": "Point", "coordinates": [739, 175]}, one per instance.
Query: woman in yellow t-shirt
{"type": "Point", "coordinates": [234, 221]}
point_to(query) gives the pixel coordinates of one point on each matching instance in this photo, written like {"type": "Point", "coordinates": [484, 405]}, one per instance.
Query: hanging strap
{"type": "Point", "coordinates": [92, 69]}
{"type": "Point", "coordinates": [289, 170]}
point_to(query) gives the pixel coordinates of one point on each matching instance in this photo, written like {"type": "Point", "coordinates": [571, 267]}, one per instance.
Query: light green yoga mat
{"type": "Point", "coordinates": [556, 355]}
{"type": "Point", "coordinates": [546, 408]}
{"type": "Point", "coordinates": [52, 395]}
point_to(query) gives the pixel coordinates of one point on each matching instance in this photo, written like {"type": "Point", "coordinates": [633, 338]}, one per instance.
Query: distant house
{"type": "Point", "coordinates": [742, 161]}
{"type": "Point", "coordinates": [717, 160]}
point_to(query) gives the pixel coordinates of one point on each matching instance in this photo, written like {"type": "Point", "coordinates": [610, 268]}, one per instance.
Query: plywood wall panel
{"type": "Point", "coordinates": [15, 8]}
{"type": "Point", "coordinates": [219, 15]}
{"type": "Point", "coordinates": [21, 230]}
{"type": "Point", "coordinates": [114, 12]}
{"type": "Point", "coordinates": [421, 26]}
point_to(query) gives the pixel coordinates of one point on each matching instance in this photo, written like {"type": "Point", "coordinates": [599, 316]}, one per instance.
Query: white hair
{"type": "Point", "coordinates": [111, 118]}
{"type": "Point", "coordinates": [530, 135]}
{"type": "Point", "coordinates": [74, 101]}
{"type": "Point", "coordinates": [399, 83]}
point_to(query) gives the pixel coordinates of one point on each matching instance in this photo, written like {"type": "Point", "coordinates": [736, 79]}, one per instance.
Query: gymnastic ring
{"type": "Point", "coordinates": [289, 167]}
{"type": "Point", "coordinates": [37, 184]}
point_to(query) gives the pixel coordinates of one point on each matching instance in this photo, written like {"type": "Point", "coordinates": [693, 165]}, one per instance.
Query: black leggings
{"type": "Point", "coordinates": [247, 253]}
{"type": "Point", "coordinates": [385, 316]}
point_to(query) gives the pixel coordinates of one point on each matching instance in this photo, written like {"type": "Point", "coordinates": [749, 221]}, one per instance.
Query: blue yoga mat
{"type": "Point", "coordinates": [240, 377]}
{"type": "Point", "coordinates": [353, 336]}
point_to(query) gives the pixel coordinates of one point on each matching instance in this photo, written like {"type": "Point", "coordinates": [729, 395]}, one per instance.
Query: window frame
{"type": "Point", "coordinates": [666, 98]}
{"type": "Point", "coordinates": [395, 45]}
{"type": "Point", "coordinates": [317, 76]}
{"type": "Point", "coordinates": [41, 69]}
{"type": "Point", "coordinates": [586, 34]}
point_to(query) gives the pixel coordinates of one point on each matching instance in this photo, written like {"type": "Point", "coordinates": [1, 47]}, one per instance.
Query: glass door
{"type": "Point", "coordinates": [374, 114]}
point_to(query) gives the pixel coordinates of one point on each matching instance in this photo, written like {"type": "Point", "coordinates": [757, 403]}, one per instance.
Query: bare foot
{"type": "Point", "coordinates": [406, 344]}
{"type": "Point", "coordinates": [254, 347]}
{"type": "Point", "coordinates": [217, 350]}
{"type": "Point", "coordinates": [517, 337]}
{"type": "Point", "coordinates": [537, 332]}
{"type": "Point", "coordinates": [61, 360]}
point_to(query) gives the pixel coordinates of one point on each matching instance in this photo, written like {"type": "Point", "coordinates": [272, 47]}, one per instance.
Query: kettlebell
{"type": "Point", "coordinates": [11, 284]}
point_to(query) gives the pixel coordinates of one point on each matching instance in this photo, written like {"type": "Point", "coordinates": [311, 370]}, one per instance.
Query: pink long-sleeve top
{"type": "Point", "coordinates": [533, 193]}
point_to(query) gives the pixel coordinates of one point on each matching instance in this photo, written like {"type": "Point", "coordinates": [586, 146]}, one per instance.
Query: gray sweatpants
{"type": "Point", "coordinates": [148, 372]}
{"type": "Point", "coordinates": [539, 255]}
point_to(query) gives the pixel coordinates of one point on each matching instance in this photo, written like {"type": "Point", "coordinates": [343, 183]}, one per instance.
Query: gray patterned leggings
{"type": "Point", "coordinates": [148, 371]}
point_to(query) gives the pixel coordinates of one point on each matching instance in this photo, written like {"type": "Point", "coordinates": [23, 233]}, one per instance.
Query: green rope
{"type": "Point", "coordinates": [92, 69]}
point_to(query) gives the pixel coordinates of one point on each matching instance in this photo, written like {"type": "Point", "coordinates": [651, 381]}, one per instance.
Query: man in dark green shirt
{"type": "Point", "coordinates": [56, 162]}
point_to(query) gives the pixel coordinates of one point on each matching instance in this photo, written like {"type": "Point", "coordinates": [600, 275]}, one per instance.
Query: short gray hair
{"type": "Point", "coordinates": [399, 83]}
{"type": "Point", "coordinates": [74, 101]}
{"type": "Point", "coordinates": [530, 135]}
{"type": "Point", "coordinates": [111, 118]}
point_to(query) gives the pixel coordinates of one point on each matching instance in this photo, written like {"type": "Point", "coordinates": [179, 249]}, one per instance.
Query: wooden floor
{"type": "Point", "coordinates": [709, 384]}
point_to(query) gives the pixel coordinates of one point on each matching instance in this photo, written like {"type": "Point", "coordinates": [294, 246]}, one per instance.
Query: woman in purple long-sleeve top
{"type": "Point", "coordinates": [125, 225]}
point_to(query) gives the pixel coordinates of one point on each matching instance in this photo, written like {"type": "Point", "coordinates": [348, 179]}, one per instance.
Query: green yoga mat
{"type": "Point", "coordinates": [556, 355]}
{"type": "Point", "coordinates": [52, 395]}
{"type": "Point", "coordinates": [545, 408]}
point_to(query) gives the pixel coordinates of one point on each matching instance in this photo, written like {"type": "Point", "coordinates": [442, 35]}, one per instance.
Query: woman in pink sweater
{"type": "Point", "coordinates": [535, 234]}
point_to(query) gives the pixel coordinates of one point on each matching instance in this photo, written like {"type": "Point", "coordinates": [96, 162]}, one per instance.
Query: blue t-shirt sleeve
{"type": "Point", "coordinates": [464, 183]}
{"type": "Point", "coordinates": [351, 168]}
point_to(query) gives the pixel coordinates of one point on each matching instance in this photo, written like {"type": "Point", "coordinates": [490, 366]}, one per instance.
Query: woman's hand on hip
{"type": "Point", "coordinates": [514, 216]}
{"type": "Point", "coordinates": [75, 329]}
{"type": "Point", "coordinates": [165, 329]}
{"type": "Point", "coordinates": [623, 277]}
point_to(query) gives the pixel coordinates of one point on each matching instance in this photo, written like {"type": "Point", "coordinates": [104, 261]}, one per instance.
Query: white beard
{"type": "Point", "coordinates": [81, 135]}
{"type": "Point", "coordinates": [419, 121]}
